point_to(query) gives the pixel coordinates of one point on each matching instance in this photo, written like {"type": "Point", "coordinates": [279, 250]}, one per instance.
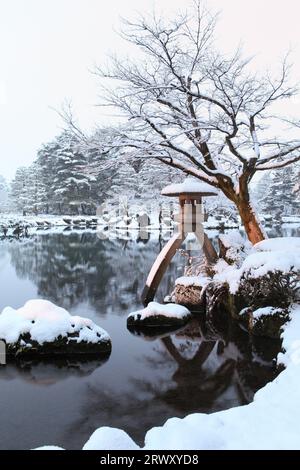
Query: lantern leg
{"type": "Point", "coordinates": [160, 266]}
{"type": "Point", "coordinates": [207, 246]}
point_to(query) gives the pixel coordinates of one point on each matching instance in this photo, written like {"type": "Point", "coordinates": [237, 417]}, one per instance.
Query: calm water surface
{"type": "Point", "coordinates": [146, 380]}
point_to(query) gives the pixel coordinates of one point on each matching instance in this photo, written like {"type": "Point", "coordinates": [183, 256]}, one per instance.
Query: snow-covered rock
{"type": "Point", "coordinates": [269, 256]}
{"type": "Point", "coordinates": [156, 314]}
{"type": "Point", "coordinates": [278, 244]}
{"type": "Point", "coordinates": [233, 247]}
{"type": "Point", "coordinates": [40, 327]}
{"type": "Point", "coordinates": [188, 290]}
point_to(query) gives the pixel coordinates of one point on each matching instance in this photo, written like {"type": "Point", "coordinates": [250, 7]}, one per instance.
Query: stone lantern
{"type": "Point", "coordinates": [190, 193]}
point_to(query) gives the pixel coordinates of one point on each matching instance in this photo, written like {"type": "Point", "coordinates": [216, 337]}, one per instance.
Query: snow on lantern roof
{"type": "Point", "coordinates": [190, 186]}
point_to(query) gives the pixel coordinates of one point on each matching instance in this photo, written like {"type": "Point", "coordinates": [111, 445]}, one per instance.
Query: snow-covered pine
{"type": "Point", "coordinates": [277, 192]}
{"type": "Point", "coordinates": [4, 192]}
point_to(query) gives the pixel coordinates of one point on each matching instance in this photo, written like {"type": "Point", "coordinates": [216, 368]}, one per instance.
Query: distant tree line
{"type": "Point", "coordinates": [70, 178]}
{"type": "Point", "coordinates": [67, 178]}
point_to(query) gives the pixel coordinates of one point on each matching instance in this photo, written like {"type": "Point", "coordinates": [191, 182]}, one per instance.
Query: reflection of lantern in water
{"type": "Point", "coordinates": [190, 218]}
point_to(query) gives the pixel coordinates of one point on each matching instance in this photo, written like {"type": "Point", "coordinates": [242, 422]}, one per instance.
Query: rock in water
{"type": "Point", "coordinates": [189, 289]}
{"type": "Point", "coordinates": [42, 328]}
{"type": "Point", "coordinates": [159, 315]}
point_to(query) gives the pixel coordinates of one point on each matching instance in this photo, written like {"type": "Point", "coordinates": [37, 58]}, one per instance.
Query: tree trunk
{"type": "Point", "coordinates": [253, 228]}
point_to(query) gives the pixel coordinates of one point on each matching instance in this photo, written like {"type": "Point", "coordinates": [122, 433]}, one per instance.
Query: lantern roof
{"type": "Point", "coordinates": [190, 187]}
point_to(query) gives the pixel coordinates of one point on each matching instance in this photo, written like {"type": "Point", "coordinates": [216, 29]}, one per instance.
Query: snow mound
{"type": "Point", "coordinates": [232, 240]}
{"type": "Point", "coordinates": [41, 322]}
{"type": "Point", "coordinates": [49, 448]}
{"type": "Point", "coordinates": [155, 309]}
{"type": "Point", "coordinates": [259, 264]}
{"type": "Point", "coordinates": [110, 439]}
{"type": "Point", "coordinates": [192, 281]}
{"type": "Point", "coordinates": [156, 314]}
{"type": "Point", "coordinates": [264, 311]}
{"type": "Point", "coordinates": [278, 244]}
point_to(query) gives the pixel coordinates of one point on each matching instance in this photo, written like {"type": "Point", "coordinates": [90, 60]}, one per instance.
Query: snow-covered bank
{"type": "Point", "coordinates": [272, 421]}
{"type": "Point", "coordinates": [135, 222]}
{"type": "Point", "coordinates": [43, 328]}
{"type": "Point", "coordinates": [269, 256]}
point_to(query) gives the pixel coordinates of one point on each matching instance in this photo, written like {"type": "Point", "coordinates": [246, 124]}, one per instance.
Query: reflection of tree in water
{"type": "Point", "coordinates": [73, 268]}
{"type": "Point", "coordinates": [195, 374]}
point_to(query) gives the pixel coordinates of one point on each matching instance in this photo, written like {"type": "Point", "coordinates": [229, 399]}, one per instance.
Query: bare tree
{"type": "Point", "coordinates": [196, 110]}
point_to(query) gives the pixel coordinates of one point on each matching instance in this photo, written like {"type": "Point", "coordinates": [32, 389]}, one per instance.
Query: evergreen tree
{"type": "Point", "coordinates": [20, 189]}
{"type": "Point", "coordinates": [279, 195]}
{"type": "Point", "coordinates": [72, 184]}
{"type": "Point", "coordinates": [4, 190]}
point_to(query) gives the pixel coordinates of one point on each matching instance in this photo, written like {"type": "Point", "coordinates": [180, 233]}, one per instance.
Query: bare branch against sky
{"type": "Point", "coordinates": [48, 48]}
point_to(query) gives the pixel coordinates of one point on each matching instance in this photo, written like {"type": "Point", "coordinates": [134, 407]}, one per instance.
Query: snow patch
{"type": "Point", "coordinates": [192, 281]}
{"type": "Point", "coordinates": [154, 309]}
{"type": "Point", "coordinates": [278, 244]}
{"type": "Point", "coordinates": [110, 439]}
{"type": "Point", "coordinates": [261, 312]}
{"type": "Point", "coordinates": [49, 448]}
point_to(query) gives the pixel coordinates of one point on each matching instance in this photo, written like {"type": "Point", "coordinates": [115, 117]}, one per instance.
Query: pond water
{"type": "Point", "coordinates": [145, 380]}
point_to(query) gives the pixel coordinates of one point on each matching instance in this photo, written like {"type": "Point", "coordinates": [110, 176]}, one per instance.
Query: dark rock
{"type": "Point", "coordinates": [62, 346]}
{"type": "Point", "coordinates": [156, 321]}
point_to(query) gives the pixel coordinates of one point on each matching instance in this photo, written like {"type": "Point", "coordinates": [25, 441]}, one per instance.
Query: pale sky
{"type": "Point", "coordinates": [48, 47]}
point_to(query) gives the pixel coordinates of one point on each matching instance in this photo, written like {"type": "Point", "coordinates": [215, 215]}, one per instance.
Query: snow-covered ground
{"type": "Point", "coordinates": [112, 222]}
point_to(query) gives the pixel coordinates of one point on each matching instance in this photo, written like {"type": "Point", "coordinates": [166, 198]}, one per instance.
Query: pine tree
{"type": "Point", "coordinates": [46, 162]}
{"type": "Point", "coordinates": [279, 196]}
{"type": "Point", "coordinates": [20, 189]}
{"type": "Point", "coordinates": [4, 190]}
{"type": "Point", "coordinates": [71, 184]}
